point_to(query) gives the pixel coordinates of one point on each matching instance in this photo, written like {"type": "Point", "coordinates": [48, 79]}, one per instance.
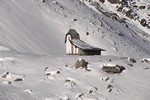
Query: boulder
{"type": "Point", "coordinates": [147, 60]}
{"type": "Point", "coordinates": [131, 60]}
{"type": "Point", "coordinates": [129, 14]}
{"type": "Point", "coordinates": [142, 7]}
{"type": "Point", "coordinates": [114, 68]}
{"type": "Point", "coordinates": [81, 63]}
{"type": "Point", "coordinates": [143, 22]}
{"type": "Point", "coordinates": [18, 79]}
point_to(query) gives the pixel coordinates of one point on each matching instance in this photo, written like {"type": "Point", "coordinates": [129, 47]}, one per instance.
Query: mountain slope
{"type": "Point", "coordinates": [33, 63]}
{"type": "Point", "coordinates": [24, 29]}
{"type": "Point", "coordinates": [32, 29]}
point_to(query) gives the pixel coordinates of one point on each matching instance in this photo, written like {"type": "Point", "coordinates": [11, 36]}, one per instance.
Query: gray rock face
{"type": "Point", "coordinates": [81, 63]}
{"type": "Point", "coordinates": [102, 1]}
{"type": "Point", "coordinates": [113, 69]}
{"type": "Point", "coordinates": [113, 1]}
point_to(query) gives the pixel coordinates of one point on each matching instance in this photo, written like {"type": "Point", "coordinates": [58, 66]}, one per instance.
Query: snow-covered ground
{"type": "Point", "coordinates": [55, 78]}
{"type": "Point", "coordinates": [34, 66]}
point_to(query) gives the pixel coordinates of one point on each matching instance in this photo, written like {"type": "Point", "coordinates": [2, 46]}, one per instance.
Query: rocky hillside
{"type": "Point", "coordinates": [134, 10]}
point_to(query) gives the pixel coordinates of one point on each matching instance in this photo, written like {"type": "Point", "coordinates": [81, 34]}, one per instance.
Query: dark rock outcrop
{"type": "Point", "coordinates": [143, 22]}
{"type": "Point", "coordinates": [81, 63]}
{"type": "Point", "coordinates": [18, 79]}
{"type": "Point", "coordinates": [114, 1]}
{"type": "Point", "coordinates": [142, 7]}
{"type": "Point", "coordinates": [132, 60]}
{"type": "Point", "coordinates": [102, 1]}
{"type": "Point", "coordinates": [113, 69]}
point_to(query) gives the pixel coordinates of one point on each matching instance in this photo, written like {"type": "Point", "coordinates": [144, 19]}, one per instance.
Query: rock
{"type": "Point", "coordinates": [58, 72]}
{"type": "Point", "coordinates": [109, 60]}
{"type": "Point", "coordinates": [147, 60]}
{"type": "Point", "coordinates": [142, 7]}
{"type": "Point", "coordinates": [129, 14]}
{"type": "Point", "coordinates": [5, 75]}
{"type": "Point", "coordinates": [92, 89]}
{"type": "Point", "coordinates": [105, 78]}
{"type": "Point", "coordinates": [130, 65]}
{"type": "Point", "coordinates": [131, 60]}
{"type": "Point", "coordinates": [81, 63]}
{"type": "Point", "coordinates": [80, 95]}
{"type": "Point", "coordinates": [51, 73]}
{"type": "Point", "coordinates": [109, 87]}
{"type": "Point", "coordinates": [46, 68]}
{"type": "Point", "coordinates": [75, 19]}
{"type": "Point", "coordinates": [87, 33]}
{"type": "Point", "coordinates": [19, 79]}
{"type": "Point", "coordinates": [113, 68]}
{"type": "Point", "coordinates": [109, 90]}
{"type": "Point", "coordinates": [102, 1]}
{"type": "Point", "coordinates": [114, 1]}
{"type": "Point", "coordinates": [69, 83]}
{"type": "Point", "coordinates": [143, 22]}
{"type": "Point", "coordinates": [145, 67]}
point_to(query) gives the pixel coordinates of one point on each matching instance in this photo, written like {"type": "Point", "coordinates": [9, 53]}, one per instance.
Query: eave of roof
{"type": "Point", "coordinates": [84, 46]}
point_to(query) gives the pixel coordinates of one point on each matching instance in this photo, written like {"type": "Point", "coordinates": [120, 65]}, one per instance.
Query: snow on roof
{"type": "Point", "coordinates": [84, 46]}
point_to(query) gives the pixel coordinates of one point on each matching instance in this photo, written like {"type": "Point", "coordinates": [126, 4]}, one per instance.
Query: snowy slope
{"type": "Point", "coordinates": [56, 78]}
{"type": "Point", "coordinates": [32, 28]}
{"type": "Point", "coordinates": [24, 29]}
{"type": "Point", "coordinates": [33, 64]}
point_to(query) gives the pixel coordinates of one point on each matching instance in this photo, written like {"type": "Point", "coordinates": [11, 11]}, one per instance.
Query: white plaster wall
{"type": "Point", "coordinates": [71, 49]}
{"type": "Point", "coordinates": [77, 50]}
{"type": "Point", "coordinates": [74, 50]}
{"type": "Point", "coordinates": [68, 45]}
